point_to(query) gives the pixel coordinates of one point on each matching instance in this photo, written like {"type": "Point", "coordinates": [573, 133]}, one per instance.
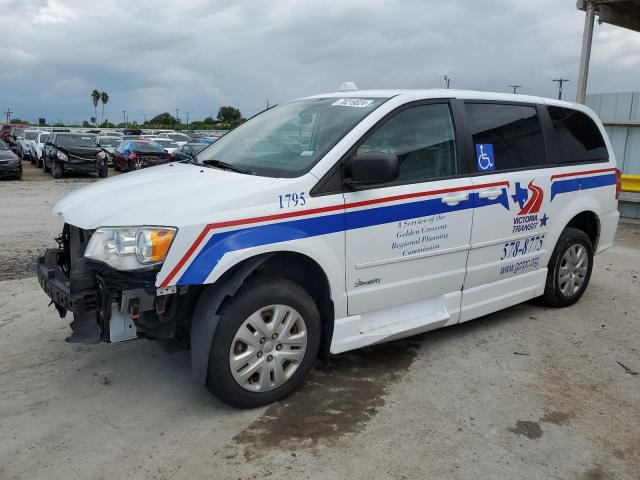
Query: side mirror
{"type": "Point", "coordinates": [371, 168]}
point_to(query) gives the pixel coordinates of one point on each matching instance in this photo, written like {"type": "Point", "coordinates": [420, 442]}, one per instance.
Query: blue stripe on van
{"type": "Point", "coordinates": [582, 183]}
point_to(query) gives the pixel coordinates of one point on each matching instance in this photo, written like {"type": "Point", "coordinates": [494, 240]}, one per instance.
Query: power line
{"type": "Point", "coordinates": [515, 88]}
{"type": "Point", "coordinates": [560, 81]}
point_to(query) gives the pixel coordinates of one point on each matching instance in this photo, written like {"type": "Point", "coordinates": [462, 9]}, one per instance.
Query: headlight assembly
{"type": "Point", "coordinates": [62, 156]}
{"type": "Point", "coordinates": [130, 248]}
{"type": "Point", "coordinates": [101, 155]}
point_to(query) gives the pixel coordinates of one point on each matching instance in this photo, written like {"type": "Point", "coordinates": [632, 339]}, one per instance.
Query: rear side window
{"type": "Point", "coordinates": [578, 136]}
{"type": "Point", "coordinates": [506, 137]}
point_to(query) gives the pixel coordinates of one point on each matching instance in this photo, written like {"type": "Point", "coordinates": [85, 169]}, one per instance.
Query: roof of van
{"type": "Point", "coordinates": [450, 93]}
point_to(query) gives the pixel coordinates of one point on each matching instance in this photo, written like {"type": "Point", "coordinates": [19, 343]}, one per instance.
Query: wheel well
{"type": "Point", "coordinates": [305, 272]}
{"type": "Point", "coordinates": [589, 223]}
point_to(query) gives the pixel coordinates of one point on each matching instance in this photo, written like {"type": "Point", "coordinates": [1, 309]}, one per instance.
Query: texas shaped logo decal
{"type": "Point", "coordinates": [528, 205]}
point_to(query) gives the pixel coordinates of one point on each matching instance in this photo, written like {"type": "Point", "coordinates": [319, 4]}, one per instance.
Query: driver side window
{"type": "Point", "coordinates": [422, 138]}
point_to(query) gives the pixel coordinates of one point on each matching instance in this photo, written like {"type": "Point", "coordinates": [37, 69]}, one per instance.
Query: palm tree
{"type": "Point", "coordinates": [95, 97]}
{"type": "Point", "coordinates": [104, 97]}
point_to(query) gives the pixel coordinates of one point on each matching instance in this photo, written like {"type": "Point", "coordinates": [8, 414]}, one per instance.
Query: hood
{"type": "Point", "coordinates": [174, 194]}
{"type": "Point", "coordinates": [7, 155]}
{"type": "Point", "coordinates": [80, 151]}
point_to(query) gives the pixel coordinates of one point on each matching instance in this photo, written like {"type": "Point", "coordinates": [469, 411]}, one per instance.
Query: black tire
{"type": "Point", "coordinates": [553, 295]}
{"type": "Point", "coordinates": [103, 171]}
{"type": "Point", "coordinates": [45, 167]}
{"type": "Point", "coordinates": [56, 169]}
{"type": "Point", "coordinates": [32, 160]}
{"type": "Point", "coordinates": [39, 162]}
{"type": "Point", "coordinates": [253, 296]}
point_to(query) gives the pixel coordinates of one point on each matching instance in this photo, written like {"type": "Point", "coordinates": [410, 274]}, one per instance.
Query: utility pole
{"type": "Point", "coordinates": [267, 104]}
{"type": "Point", "coordinates": [447, 81]}
{"type": "Point", "coordinates": [560, 81]}
{"type": "Point", "coordinates": [124, 116]}
{"type": "Point", "coordinates": [187, 119]}
{"type": "Point", "coordinates": [8, 114]}
{"type": "Point", "coordinates": [515, 88]}
{"type": "Point", "coordinates": [177, 114]}
{"type": "Point", "coordinates": [587, 37]}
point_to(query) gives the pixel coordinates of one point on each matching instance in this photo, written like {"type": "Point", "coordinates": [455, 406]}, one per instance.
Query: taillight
{"type": "Point", "coordinates": [618, 182]}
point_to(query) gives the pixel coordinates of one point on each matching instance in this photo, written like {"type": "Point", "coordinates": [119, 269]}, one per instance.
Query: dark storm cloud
{"type": "Point", "coordinates": [154, 56]}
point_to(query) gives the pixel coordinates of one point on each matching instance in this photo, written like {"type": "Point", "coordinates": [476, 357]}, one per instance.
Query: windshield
{"type": "Point", "coordinates": [31, 135]}
{"type": "Point", "coordinates": [109, 141]}
{"type": "Point", "coordinates": [3, 146]}
{"type": "Point", "coordinates": [198, 147]}
{"type": "Point", "coordinates": [42, 137]}
{"type": "Point", "coordinates": [287, 140]}
{"type": "Point", "coordinates": [147, 147]}
{"type": "Point", "coordinates": [75, 141]}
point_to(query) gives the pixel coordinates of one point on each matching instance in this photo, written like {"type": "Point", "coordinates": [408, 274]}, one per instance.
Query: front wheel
{"type": "Point", "coordinates": [266, 343]}
{"type": "Point", "coordinates": [569, 269]}
{"type": "Point", "coordinates": [56, 168]}
{"type": "Point", "coordinates": [103, 171]}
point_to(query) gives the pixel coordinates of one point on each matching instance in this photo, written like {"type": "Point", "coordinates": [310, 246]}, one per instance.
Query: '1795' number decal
{"type": "Point", "coordinates": [289, 200]}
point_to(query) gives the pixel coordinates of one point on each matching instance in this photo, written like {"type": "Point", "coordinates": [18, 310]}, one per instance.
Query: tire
{"type": "Point", "coordinates": [56, 168]}
{"type": "Point", "coordinates": [39, 162]}
{"type": "Point", "coordinates": [45, 168]}
{"type": "Point", "coordinates": [255, 301]}
{"type": "Point", "coordinates": [562, 292]}
{"type": "Point", "coordinates": [31, 159]}
{"type": "Point", "coordinates": [103, 171]}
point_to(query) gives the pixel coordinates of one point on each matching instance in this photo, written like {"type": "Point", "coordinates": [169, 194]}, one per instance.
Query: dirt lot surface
{"type": "Point", "coordinates": [525, 393]}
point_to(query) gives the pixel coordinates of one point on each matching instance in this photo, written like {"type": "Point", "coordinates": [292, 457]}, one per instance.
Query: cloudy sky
{"type": "Point", "coordinates": [154, 56]}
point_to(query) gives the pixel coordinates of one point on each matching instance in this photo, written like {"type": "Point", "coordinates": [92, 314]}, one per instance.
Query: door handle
{"type": "Point", "coordinates": [490, 193]}
{"type": "Point", "coordinates": [455, 198]}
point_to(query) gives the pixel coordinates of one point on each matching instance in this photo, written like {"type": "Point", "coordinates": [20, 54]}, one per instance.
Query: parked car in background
{"type": "Point", "coordinates": [37, 148]}
{"type": "Point", "coordinates": [189, 151]}
{"type": "Point", "coordinates": [15, 135]}
{"type": "Point", "coordinates": [5, 133]}
{"type": "Point", "coordinates": [179, 138]}
{"type": "Point", "coordinates": [25, 144]}
{"type": "Point", "coordinates": [10, 164]}
{"type": "Point", "coordinates": [169, 145]}
{"type": "Point", "coordinates": [108, 145]}
{"type": "Point", "coordinates": [74, 152]}
{"type": "Point", "coordinates": [136, 154]}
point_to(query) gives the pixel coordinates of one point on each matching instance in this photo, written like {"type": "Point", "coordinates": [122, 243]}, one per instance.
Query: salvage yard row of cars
{"type": "Point", "coordinates": [92, 151]}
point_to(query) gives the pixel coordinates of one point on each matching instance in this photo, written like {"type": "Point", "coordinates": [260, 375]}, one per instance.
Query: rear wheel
{"type": "Point", "coordinates": [266, 343]}
{"type": "Point", "coordinates": [569, 269]}
{"type": "Point", "coordinates": [45, 167]}
{"type": "Point", "coordinates": [39, 162]}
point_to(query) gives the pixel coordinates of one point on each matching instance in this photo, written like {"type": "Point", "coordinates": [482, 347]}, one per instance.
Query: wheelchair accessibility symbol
{"type": "Point", "coordinates": [484, 157]}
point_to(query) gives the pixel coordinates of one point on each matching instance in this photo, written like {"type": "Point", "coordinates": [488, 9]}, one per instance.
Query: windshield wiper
{"type": "Point", "coordinates": [226, 166]}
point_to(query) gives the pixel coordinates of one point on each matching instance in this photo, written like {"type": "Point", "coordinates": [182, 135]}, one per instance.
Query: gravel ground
{"type": "Point", "coordinates": [526, 393]}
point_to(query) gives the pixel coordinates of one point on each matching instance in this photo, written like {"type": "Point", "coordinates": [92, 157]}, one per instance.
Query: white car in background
{"type": "Point", "coordinates": [24, 143]}
{"type": "Point", "coordinates": [180, 138]}
{"type": "Point", "coordinates": [37, 147]}
{"type": "Point", "coordinates": [169, 145]}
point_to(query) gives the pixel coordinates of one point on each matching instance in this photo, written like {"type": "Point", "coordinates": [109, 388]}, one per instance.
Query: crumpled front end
{"type": "Point", "coordinates": [109, 305]}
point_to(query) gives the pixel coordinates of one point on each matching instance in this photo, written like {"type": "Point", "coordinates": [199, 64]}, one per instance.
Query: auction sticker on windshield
{"type": "Point", "coordinates": [352, 102]}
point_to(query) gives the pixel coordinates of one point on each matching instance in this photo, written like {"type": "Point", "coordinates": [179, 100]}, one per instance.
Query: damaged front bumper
{"type": "Point", "coordinates": [109, 305]}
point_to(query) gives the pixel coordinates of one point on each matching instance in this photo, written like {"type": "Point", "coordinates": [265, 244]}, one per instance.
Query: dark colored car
{"type": "Point", "coordinates": [189, 151]}
{"type": "Point", "coordinates": [137, 154]}
{"type": "Point", "coordinates": [10, 164]}
{"type": "Point", "coordinates": [73, 152]}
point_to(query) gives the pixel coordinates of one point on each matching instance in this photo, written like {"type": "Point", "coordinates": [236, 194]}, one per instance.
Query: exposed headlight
{"type": "Point", "coordinates": [101, 155]}
{"type": "Point", "coordinates": [62, 156]}
{"type": "Point", "coordinates": [130, 248]}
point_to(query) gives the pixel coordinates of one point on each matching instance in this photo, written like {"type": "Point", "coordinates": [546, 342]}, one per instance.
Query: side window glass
{"type": "Point", "coordinates": [422, 138]}
{"type": "Point", "coordinates": [506, 136]}
{"type": "Point", "coordinates": [578, 136]}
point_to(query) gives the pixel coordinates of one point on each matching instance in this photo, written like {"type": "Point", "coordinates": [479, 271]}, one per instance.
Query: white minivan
{"type": "Point", "coordinates": [336, 221]}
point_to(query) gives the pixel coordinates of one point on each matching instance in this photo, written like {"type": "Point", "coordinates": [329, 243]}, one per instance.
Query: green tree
{"type": "Point", "coordinates": [95, 98]}
{"type": "Point", "coordinates": [165, 119]}
{"type": "Point", "coordinates": [104, 98]}
{"type": "Point", "coordinates": [208, 121]}
{"type": "Point", "coordinates": [18, 121]}
{"type": "Point", "coordinates": [228, 114]}
{"type": "Point", "coordinates": [86, 124]}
